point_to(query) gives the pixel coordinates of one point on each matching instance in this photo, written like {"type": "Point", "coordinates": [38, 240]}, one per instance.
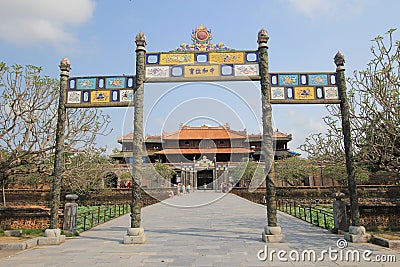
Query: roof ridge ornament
{"type": "Point", "coordinates": [201, 41]}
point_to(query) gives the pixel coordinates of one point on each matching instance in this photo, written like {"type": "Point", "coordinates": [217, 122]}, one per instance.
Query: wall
{"type": "Point", "coordinates": [20, 217]}
{"type": "Point", "coordinates": [18, 197]}
{"type": "Point", "coordinates": [25, 218]}
{"type": "Point", "coordinates": [379, 217]}
{"type": "Point", "coordinates": [379, 205]}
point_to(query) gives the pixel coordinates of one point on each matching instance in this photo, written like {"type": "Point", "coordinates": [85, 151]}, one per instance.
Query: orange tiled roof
{"type": "Point", "coordinates": [129, 138]}
{"type": "Point", "coordinates": [225, 150]}
{"type": "Point", "coordinates": [204, 132]}
{"type": "Point", "coordinates": [277, 134]}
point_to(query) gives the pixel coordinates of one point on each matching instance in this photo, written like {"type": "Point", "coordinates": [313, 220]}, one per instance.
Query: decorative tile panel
{"type": "Point", "coordinates": [305, 92]}
{"type": "Point", "coordinates": [74, 97]}
{"type": "Point", "coordinates": [101, 91]}
{"type": "Point", "coordinates": [102, 96]}
{"type": "Point", "coordinates": [277, 92]}
{"type": "Point", "coordinates": [288, 79]}
{"type": "Point", "coordinates": [157, 72]}
{"type": "Point", "coordinates": [318, 79]}
{"type": "Point", "coordinates": [331, 92]}
{"type": "Point", "coordinates": [202, 71]}
{"type": "Point", "coordinates": [86, 83]}
{"type": "Point", "coordinates": [246, 70]}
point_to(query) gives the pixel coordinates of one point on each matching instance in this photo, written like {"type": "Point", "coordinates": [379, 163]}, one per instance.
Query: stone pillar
{"type": "Point", "coordinates": [339, 214]}
{"type": "Point", "coordinates": [135, 234]}
{"type": "Point", "coordinates": [65, 67]}
{"type": "Point", "coordinates": [70, 214]}
{"type": "Point", "coordinates": [356, 232]}
{"type": "Point", "coordinates": [195, 179]}
{"type": "Point", "coordinates": [272, 232]}
{"type": "Point", "coordinates": [215, 176]}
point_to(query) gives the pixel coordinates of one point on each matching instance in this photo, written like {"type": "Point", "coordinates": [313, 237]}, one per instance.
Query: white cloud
{"type": "Point", "coordinates": [314, 8]}
{"type": "Point", "coordinates": [43, 21]}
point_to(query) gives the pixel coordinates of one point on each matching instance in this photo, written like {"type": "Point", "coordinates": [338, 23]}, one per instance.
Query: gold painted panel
{"type": "Point", "coordinates": [226, 57]}
{"type": "Point", "coordinates": [201, 71]}
{"type": "Point", "coordinates": [305, 92]}
{"type": "Point", "coordinates": [102, 96]}
{"type": "Point", "coordinates": [176, 58]}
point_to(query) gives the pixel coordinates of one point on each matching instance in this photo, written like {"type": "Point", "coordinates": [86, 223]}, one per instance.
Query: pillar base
{"type": "Point", "coordinates": [135, 236]}
{"type": "Point", "coordinates": [357, 234]}
{"type": "Point", "coordinates": [51, 237]}
{"type": "Point", "coordinates": [272, 234]}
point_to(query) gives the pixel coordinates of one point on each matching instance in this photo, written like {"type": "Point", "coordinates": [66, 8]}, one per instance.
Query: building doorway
{"type": "Point", "coordinates": [205, 177]}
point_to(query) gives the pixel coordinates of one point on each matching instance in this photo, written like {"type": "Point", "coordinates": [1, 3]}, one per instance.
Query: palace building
{"type": "Point", "coordinates": [203, 155]}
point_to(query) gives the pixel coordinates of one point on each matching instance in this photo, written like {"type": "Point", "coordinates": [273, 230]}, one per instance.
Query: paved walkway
{"type": "Point", "coordinates": [199, 229]}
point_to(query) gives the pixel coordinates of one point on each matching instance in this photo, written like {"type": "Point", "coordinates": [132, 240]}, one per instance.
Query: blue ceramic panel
{"type": "Point", "coordinates": [288, 79]}
{"type": "Point", "coordinates": [289, 93]}
{"type": "Point", "coordinates": [201, 58]}
{"type": "Point", "coordinates": [86, 83]}
{"type": "Point", "coordinates": [226, 70]}
{"type": "Point", "coordinates": [86, 97]}
{"type": "Point", "coordinates": [71, 84]}
{"type": "Point", "coordinates": [177, 71]}
{"type": "Point", "coordinates": [318, 79]}
{"type": "Point", "coordinates": [332, 79]}
{"type": "Point", "coordinates": [115, 96]}
{"type": "Point", "coordinates": [130, 82]}
{"type": "Point", "coordinates": [251, 57]}
{"type": "Point", "coordinates": [152, 59]}
{"type": "Point", "coordinates": [303, 79]}
{"type": "Point", "coordinates": [274, 79]}
{"type": "Point", "coordinates": [115, 83]}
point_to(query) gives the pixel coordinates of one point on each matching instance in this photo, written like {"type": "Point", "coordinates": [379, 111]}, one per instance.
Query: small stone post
{"type": "Point", "coordinates": [356, 232]}
{"type": "Point", "coordinates": [272, 232]}
{"type": "Point", "coordinates": [339, 214]}
{"type": "Point", "coordinates": [70, 214]}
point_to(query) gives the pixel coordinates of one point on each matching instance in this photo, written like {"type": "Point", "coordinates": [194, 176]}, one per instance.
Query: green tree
{"type": "Point", "coordinates": [293, 170]}
{"type": "Point", "coordinates": [28, 109]}
{"type": "Point", "coordinates": [374, 99]}
{"type": "Point", "coordinates": [247, 172]}
{"type": "Point", "coordinates": [158, 174]}
{"type": "Point", "coordinates": [86, 170]}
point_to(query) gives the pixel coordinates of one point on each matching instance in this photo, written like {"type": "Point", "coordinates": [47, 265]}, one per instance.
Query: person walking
{"type": "Point", "coordinates": [188, 188]}
{"type": "Point", "coordinates": [178, 189]}
{"type": "Point", "coordinates": [182, 189]}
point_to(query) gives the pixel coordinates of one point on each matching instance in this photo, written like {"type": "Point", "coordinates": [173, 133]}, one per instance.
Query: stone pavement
{"type": "Point", "coordinates": [200, 229]}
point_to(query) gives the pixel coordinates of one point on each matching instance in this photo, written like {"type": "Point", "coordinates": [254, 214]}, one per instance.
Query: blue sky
{"type": "Point", "coordinates": [98, 38]}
